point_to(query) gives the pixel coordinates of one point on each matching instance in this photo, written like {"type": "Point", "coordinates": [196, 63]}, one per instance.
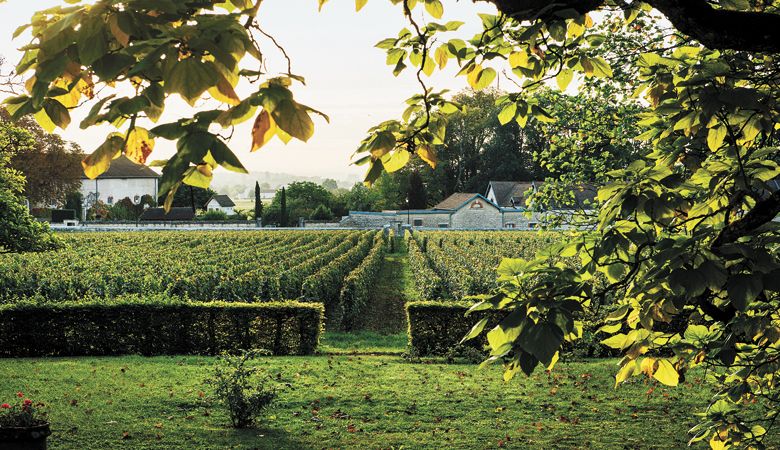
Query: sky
{"type": "Point", "coordinates": [346, 78]}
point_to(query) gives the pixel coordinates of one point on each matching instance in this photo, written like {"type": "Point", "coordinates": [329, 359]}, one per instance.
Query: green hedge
{"type": "Point", "coordinates": [359, 284]}
{"type": "Point", "coordinates": [137, 326]}
{"type": "Point", "coordinates": [436, 328]}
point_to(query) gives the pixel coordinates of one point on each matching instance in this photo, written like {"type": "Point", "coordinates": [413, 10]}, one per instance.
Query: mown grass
{"type": "Point", "coordinates": [353, 402]}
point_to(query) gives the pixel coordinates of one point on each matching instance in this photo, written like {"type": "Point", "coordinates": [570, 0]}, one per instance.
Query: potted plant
{"type": "Point", "coordinates": [22, 425]}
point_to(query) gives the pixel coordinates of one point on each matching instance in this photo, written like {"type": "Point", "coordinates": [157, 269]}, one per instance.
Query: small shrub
{"type": "Point", "coordinates": [214, 215]}
{"type": "Point", "coordinates": [240, 389]}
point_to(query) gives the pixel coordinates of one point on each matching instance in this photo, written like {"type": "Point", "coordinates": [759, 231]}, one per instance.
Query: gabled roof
{"type": "Point", "coordinates": [123, 167]}
{"type": "Point", "coordinates": [458, 200]}
{"type": "Point", "coordinates": [222, 200]}
{"type": "Point", "coordinates": [511, 193]}
{"type": "Point", "coordinates": [455, 200]}
{"type": "Point", "coordinates": [176, 213]}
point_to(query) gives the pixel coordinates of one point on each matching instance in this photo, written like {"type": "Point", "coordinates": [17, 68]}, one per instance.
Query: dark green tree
{"type": "Point", "coordinates": [191, 196]}
{"type": "Point", "coordinates": [19, 231]}
{"type": "Point", "coordinates": [321, 212]}
{"type": "Point", "coordinates": [283, 214]}
{"type": "Point", "coordinates": [416, 194]}
{"type": "Point", "coordinates": [258, 202]}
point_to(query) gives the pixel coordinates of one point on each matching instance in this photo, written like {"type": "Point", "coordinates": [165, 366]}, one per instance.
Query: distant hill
{"type": "Point", "coordinates": [238, 185]}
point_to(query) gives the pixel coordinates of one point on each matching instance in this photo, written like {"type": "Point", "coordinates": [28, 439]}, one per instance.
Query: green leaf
{"type": "Point", "coordinates": [743, 289]}
{"type": "Point", "coordinates": [58, 114]}
{"type": "Point", "coordinates": [542, 340]}
{"type": "Point", "coordinates": [225, 157]}
{"type": "Point", "coordinates": [190, 78]}
{"type": "Point", "coordinates": [293, 119]}
{"type": "Point", "coordinates": [475, 331]}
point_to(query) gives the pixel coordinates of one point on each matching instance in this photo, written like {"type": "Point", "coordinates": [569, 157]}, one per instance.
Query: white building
{"type": "Point", "coordinates": [221, 202]}
{"type": "Point", "coordinates": [124, 178]}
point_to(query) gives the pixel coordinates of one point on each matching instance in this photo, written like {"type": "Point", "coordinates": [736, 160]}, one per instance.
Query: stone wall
{"type": "Point", "coordinates": [477, 215]}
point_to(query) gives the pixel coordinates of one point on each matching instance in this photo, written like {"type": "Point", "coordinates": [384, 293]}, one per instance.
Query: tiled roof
{"type": "Point", "coordinates": [455, 200]}
{"type": "Point", "coordinates": [123, 167]}
{"type": "Point", "coordinates": [223, 200]}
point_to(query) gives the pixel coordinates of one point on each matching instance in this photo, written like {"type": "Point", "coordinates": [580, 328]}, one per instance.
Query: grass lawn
{"type": "Point", "coordinates": [353, 401]}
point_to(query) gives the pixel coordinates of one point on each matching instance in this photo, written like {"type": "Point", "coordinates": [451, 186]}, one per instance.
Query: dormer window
{"type": "Point", "coordinates": [476, 205]}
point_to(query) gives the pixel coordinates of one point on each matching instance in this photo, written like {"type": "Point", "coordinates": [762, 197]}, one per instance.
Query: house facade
{"type": "Point", "coordinates": [502, 207]}
{"type": "Point", "coordinates": [123, 179]}
{"type": "Point", "coordinates": [221, 202]}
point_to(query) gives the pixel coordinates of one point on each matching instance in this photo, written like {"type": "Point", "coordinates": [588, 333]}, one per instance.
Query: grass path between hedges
{"type": "Point", "coordinates": [353, 402]}
{"type": "Point", "coordinates": [384, 313]}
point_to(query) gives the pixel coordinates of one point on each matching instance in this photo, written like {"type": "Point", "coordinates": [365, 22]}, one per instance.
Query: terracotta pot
{"type": "Point", "coordinates": [24, 438]}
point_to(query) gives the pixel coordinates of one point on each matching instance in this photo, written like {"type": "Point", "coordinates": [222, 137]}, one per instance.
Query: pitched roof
{"type": "Point", "coordinates": [511, 193]}
{"type": "Point", "coordinates": [455, 200]}
{"type": "Point", "coordinates": [123, 167]}
{"type": "Point", "coordinates": [223, 200]}
{"type": "Point", "coordinates": [176, 213]}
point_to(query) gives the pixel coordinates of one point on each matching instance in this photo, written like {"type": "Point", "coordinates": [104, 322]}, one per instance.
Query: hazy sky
{"type": "Point", "coordinates": [346, 77]}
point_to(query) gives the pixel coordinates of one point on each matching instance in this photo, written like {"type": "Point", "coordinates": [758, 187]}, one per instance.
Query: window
{"type": "Point", "coordinates": [417, 222]}
{"type": "Point", "coordinates": [476, 205]}
{"type": "Point", "coordinates": [110, 200]}
{"type": "Point", "coordinates": [444, 225]}
{"type": "Point", "coordinates": [136, 199]}
{"type": "Point", "coordinates": [509, 225]}
{"type": "Point", "coordinates": [532, 224]}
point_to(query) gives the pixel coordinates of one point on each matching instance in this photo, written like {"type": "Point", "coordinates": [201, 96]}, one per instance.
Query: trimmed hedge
{"type": "Point", "coordinates": [436, 328]}
{"type": "Point", "coordinates": [359, 283]}
{"type": "Point", "coordinates": [137, 326]}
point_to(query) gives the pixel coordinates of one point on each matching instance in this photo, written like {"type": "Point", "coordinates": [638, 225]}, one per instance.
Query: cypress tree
{"type": "Point", "coordinates": [283, 208]}
{"type": "Point", "coordinates": [258, 202]}
{"type": "Point", "coordinates": [417, 196]}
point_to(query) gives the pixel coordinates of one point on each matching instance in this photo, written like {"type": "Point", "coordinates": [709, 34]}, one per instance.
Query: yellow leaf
{"type": "Point", "coordinates": [194, 176]}
{"type": "Point", "coordinates": [139, 145]}
{"type": "Point", "coordinates": [263, 130]}
{"type": "Point", "coordinates": [434, 8]}
{"type": "Point", "coordinates": [321, 3]}
{"type": "Point", "coordinates": [518, 59]}
{"type": "Point", "coordinates": [44, 121]}
{"type": "Point", "coordinates": [625, 372]}
{"type": "Point", "coordinates": [428, 155]}
{"type": "Point", "coordinates": [666, 373]}
{"type": "Point", "coordinates": [480, 78]}
{"type": "Point", "coordinates": [359, 4]}
{"type": "Point", "coordinates": [224, 92]}
{"type": "Point", "coordinates": [396, 160]}
{"type": "Point", "coordinates": [717, 444]}
{"type": "Point", "coordinates": [564, 78]}
{"type": "Point", "coordinates": [441, 55]}
{"type": "Point", "coordinates": [121, 37]}
{"type": "Point", "coordinates": [648, 366]}
{"type": "Point", "coordinates": [99, 161]}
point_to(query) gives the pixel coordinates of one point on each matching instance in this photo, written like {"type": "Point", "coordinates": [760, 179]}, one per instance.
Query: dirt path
{"type": "Point", "coordinates": [385, 312]}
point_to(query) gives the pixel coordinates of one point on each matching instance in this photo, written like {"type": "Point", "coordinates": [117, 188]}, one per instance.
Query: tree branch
{"type": "Point", "coordinates": [715, 28]}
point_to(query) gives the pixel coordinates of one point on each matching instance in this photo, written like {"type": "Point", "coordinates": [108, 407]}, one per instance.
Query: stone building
{"type": "Point", "coordinates": [221, 202]}
{"type": "Point", "coordinates": [123, 179]}
{"type": "Point", "coordinates": [502, 206]}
